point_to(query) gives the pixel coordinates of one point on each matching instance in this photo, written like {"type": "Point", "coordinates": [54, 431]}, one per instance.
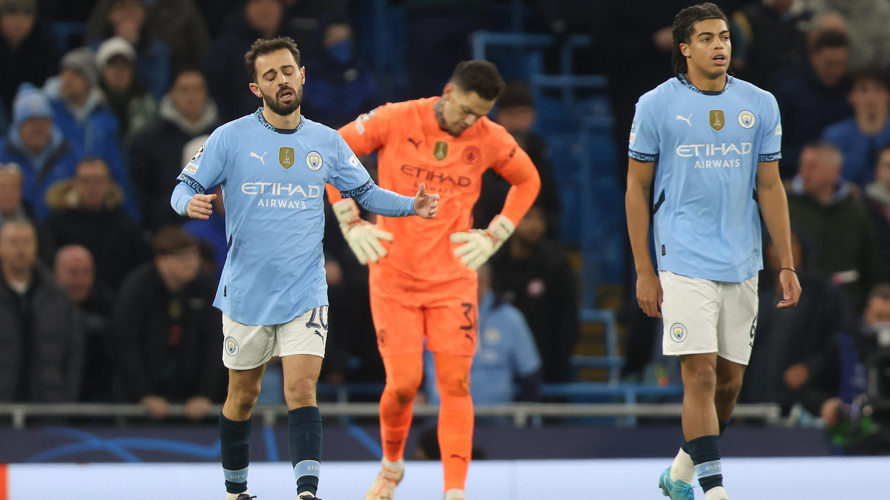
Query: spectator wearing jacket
{"type": "Point", "coordinates": [41, 338]}
{"type": "Point", "coordinates": [185, 112]}
{"type": "Point", "coordinates": [167, 340]}
{"type": "Point", "coordinates": [133, 106]}
{"type": "Point", "coordinates": [39, 148]}
{"type": "Point", "coordinates": [823, 206]}
{"type": "Point", "coordinates": [83, 114]}
{"type": "Point", "coordinates": [27, 53]}
{"type": "Point", "coordinates": [87, 210]}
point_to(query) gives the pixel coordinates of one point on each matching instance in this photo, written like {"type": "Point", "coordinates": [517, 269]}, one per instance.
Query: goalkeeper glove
{"type": "Point", "coordinates": [480, 245]}
{"type": "Point", "coordinates": [362, 236]}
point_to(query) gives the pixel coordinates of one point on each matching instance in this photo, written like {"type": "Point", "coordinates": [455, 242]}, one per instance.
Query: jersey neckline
{"type": "Point", "coordinates": [262, 119]}
{"type": "Point", "coordinates": [690, 86]}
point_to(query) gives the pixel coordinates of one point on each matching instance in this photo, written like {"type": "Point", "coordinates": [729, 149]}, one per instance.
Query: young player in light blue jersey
{"type": "Point", "coordinates": [273, 166]}
{"type": "Point", "coordinates": [712, 144]}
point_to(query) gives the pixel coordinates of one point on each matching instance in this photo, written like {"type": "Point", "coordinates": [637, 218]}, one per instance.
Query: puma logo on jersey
{"type": "Point", "coordinates": [687, 120]}
{"type": "Point", "coordinates": [416, 143]}
{"type": "Point", "coordinates": [261, 158]}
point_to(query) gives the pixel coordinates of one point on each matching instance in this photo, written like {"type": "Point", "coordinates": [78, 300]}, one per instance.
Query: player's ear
{"type": "Point", "coordinates": [684, 49]}
{"type": "Point", "coordinates": [303, 75]}
{"type": "Point", "coordinates": [255, 89]}
{"type": "Point", "coordinates": [449, 88]}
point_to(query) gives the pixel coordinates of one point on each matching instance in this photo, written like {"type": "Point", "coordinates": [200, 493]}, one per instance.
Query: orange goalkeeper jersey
{"type": "Point", "coordinates": [412, 149]}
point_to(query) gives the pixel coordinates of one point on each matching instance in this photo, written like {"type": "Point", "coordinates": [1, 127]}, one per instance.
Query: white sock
{"type": "Point", "coordinates": [234, 496]}
{"type": "Point", "coordinates": [717, 493]}
{"type": "Point", "coordinates": [454, 494]}
{"type": "Point", "coordinates": [397, 465]}
{"type": "Point", "coordinates": [683, 469]}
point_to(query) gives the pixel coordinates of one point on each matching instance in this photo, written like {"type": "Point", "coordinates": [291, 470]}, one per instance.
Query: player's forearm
{"type": "Point", "coordinates": [521, 197]}
{"type": "Point", "coordinates": [636, 202]}
{"type": "Point", "coordinates": [774, 208]}
{"type": "Point", "coordinates": [383, 202]}
{"type": "Point", "coordinates": [181, 197]}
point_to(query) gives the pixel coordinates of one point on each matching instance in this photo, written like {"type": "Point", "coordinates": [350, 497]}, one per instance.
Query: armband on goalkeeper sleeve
{"type": "Point", "coordinates": [480, 245]}
{"type": "Point", "coordinates": [362, 236]}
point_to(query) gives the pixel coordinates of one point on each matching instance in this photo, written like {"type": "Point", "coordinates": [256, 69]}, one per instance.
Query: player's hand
{"type": "Point", "coordinates": [197, 407]}
{"type": "Point", "coordinates": [649, 293]}
{"type": "Point", "coordinates": [362, 236]}
{"type": "Point", "coordinates": [425, 204]}
{"type": "Point", "coordinates": [790, 289]}
{"type": "Point", "coordinates": [156, 406]}
{"type": "Point", "coordinates": [478, 246]}
{"type": "Point", "coordinates": [200, 206]}
{"type": "Point", "coordinates": [830, 411]}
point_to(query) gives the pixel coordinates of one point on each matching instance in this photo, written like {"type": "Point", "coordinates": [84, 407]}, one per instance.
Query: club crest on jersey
{"type": "Point", "coordinates": [286, 157]}
{"type": "Point", "coordinates": [471, 154]}
{"type": "Point", "coordinates": [747, 119]}
{"type": "Point", "coordinates": [313, 160]}
{"type": "Point", "coordinates": [717, 119]}
{"type": "Point", "coordinates": [440, 150]}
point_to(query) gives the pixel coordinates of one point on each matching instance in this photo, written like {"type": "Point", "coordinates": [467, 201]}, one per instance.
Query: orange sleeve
{"type": "Point", "coordinates": [365, 134]}
{"type": "Point", "coordinates": [514, 165]}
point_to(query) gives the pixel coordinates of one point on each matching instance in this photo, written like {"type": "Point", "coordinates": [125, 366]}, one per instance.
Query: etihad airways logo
{"type": "Point", "coordinates": [280, 189]}
{"type": "Point", "coordinates": [715, 150]}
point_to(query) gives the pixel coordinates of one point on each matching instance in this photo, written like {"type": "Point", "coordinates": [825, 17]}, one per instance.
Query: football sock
{"type": "Point", "coordinates": [705, 453]}
{"type": "Point", "coordinates": [404, 373]}
{"type": "Point", "coordinates": [455, 417]}
{"type": "Point", "coordinates": [717, 493]}
{"type": "Point", "coordinates": [454, 494]}
{"type": "Point", "coordinates": [683, 468]}
{"type": "Point", "coordinates": [234, 496]}
{"type": "Point", "coordinates": [234, 440]}
{"type": "Point", "coordinates": [304, 443]}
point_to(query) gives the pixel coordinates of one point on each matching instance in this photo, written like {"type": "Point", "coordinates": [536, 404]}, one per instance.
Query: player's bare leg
{"type": "Point", "coordinates": [404, 373]}
{"type": "Point", "coordinates": [729, 384]}
{"type": "Point", "coordinates": [234, 429]}
{"type": "Point", "coordinates": [303, 420]}
{"type": "Point", "coordinates": [455, 420]}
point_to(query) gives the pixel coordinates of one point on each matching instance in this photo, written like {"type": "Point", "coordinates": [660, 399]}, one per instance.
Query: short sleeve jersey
{"type": "Point", "coordinates": [413, 149]}
{"type": "Point", "coordinates": [707, 146]}
{"type": "Point", "coordinates": [272, 182]}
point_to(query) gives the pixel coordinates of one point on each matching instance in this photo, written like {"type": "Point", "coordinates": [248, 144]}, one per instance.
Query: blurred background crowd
{"type": "Point", "coordinates": [106, 293]}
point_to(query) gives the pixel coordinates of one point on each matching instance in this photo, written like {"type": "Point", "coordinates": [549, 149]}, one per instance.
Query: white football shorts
{"type": "Point", "coordinates": [702, 316]}
{"type": "Point", "coordinates": [248, 346]}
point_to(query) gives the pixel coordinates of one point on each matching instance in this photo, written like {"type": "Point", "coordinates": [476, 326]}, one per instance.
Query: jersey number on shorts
{"type": "Point", "coordinates": [317, 313]}
{"type": "Point", "coordinates": [469, 328]}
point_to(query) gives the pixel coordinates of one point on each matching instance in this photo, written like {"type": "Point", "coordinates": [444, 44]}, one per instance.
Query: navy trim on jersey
{"type": "Point", "coordinates": [693, 88]}
{"type": "Point", "coordinates": [359, 190]}
{"type": "Point", "coordinates": [659, 202]}
{"type": "Point", "coordinates": [192, 183]}
{"type": "Point", "coordinates": [259, 116]}
{"type": "Point", "coordinates": [770, 157]}
{"type": "Point", "coordinates": [644, 157]}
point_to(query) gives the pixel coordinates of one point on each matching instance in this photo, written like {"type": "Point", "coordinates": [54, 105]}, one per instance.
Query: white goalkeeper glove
{"type": "Point", "coordinates": [362, 236]}
{"type": "Point", "coordinates": [480, 245]}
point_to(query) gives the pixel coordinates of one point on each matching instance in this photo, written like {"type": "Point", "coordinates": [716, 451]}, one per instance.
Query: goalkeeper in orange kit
{"type": "Point", "coordinates": [422, 276]}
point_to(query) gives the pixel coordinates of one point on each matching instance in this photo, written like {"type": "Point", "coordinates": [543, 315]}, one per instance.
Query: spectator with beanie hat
{"type": "Point", "coordinates": [34, 143]}
{"type": "Point", "coordinates": [133, 106]}
{"type": "Point", "coordinates": [84, 116]}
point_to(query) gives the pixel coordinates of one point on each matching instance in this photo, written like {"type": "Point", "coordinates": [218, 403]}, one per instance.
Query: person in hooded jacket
{"type": "Point", "coordinates": [87, 211]}
{"type": "Point", "coordinates": [185, 112]}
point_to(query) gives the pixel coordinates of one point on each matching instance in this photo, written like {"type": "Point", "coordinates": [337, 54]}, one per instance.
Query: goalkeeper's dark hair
{"type": "Point", "coordinates": [684, 26]}
{"type": "Point", "coordinates": [262, 47]}
{"type": "Point", "coordinates": [481, 77]}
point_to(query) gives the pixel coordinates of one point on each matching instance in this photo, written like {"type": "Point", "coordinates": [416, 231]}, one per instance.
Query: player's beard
{"type": "Point", "coordinates": [282, 108]}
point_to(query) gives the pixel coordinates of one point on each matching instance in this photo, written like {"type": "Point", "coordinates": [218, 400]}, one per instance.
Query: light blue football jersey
{"type": "Point", "coordinates": [273, 186]}
{"type": "Point", "coordinates": [706, 146]}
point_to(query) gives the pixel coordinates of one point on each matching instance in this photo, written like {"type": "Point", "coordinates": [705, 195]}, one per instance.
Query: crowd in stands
{"type": "Point", "coordinates": [106, 293]}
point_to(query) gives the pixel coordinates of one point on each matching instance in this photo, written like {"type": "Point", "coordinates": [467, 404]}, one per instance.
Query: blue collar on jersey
{"type": "Point", "coordinates": [259, 116]}
{"type": "Point", "coordinates": [693, 88]}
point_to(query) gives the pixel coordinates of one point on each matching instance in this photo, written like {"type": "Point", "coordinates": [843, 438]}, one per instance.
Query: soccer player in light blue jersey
{"type": "Point", "coordinates": [272, 166]}
{"type": "Point", "coordinates": [711, 143]}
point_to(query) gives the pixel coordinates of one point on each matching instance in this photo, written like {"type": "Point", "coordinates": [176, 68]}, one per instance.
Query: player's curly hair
{"type": "Point", "coordinates": [263, 47]}
{"type": "Point", "coordinates": [684, 24]}
{"type": "Point", "coordinates": [481, 77]}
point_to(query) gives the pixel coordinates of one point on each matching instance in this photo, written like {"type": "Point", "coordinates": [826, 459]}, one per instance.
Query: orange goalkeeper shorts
{"type": "Point", "coordinates": [446, 314]}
